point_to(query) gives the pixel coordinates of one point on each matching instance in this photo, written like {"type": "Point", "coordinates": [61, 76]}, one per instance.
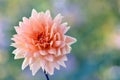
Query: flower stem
{"type": "Point", "coordinates": [46, 75]}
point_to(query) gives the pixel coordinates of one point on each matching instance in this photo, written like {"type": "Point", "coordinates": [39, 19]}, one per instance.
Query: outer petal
{"type": "Point", "coordinates": [68, 49]}
{"type": "Point", "coordinates": [25, 63]}
{"type": "Point", "coordinates": [56, 65]}
{"type": "Point", "coordinates": [64, 58]}
{"type": "Point", "coordinates": [49, 58]}
{"type": "Point", "coordinates": [70, 40]}
{"type": "Point", "coordinates": [16, 51]}
{"type": "Point", "coordinates": [62, 63]}
{"type": "Point", "coordinates": [18, 30]}
{"type": "Point", "coordinates": [34, 13]}
{"type": "Point", "coordinates": [58, 19]}
{"type": "Point", "coordinates": [42, 63]}
{"type": "Point", "coordinates": [64, 28]}
{"type": "Point", "coordinates": [63, 50]}
{"type": "Point", "coordinates": [35, 67]}
{"type": "Point", "coordinates": [49, 68]}
{"type": "Point", "coordinates": [18, 54]}
{"type": "Point", "coordinates": [48, 17]}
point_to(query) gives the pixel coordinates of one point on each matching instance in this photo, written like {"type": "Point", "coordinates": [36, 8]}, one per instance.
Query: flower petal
{"type": "Point", "coordinates": [25, 63]}
{"type": "Point", "coordinates": [49, 58]}
{"type": "Point", "coordinates": [17, 29]}
{"type": "Point", "coordinates": [34, 13]}
{"type": "Point", "coordinates": [64, 28]}
{"type": "Point", "coordinates": [70, 40]}
{"type": "Point", "coordinates": [52, 51]}
{"type": "Point", "coordinates": [58, 19]}
{"type": "Point", "coordinates": [63, 50]}
{"type": "Point", "coordinates": [31, 60]}
{"type": "Point", "coordinates": [57, 36]}
{"type": "Point", "coordinates": [52, 29]}
{"type": "Point", "coordinates": [57, 43]}
{"type": "Point", "coordinates": [56, 65]}
{"type": "Point", "coordinates": [64, 58]}
{"type": "Point", "coordinates": [49, 68]}
{"type": "Point", "coordinates": [48, 17]}
{"type": "Point", "coordinates": [35, 67]}
{"type": "Point", "coordinates": [42, 63]}
{"type": "Point", "coordinates": [19, 56]}
{"type": "Point", "coordinates": [58, 52]}
{"type": "Point", "coordinates": [16, 51]}
{"type": "Point", "coordinates": [36, 54]}
{"type": "Point", "coordinates": [68, 49]}
{"type": "Point", "coordinates": [43, 52]}
{"type": "Point", "coordinates": [62, 63]}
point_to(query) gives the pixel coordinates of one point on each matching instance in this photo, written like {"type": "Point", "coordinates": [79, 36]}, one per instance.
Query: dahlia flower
{"type": "Point", "coordinates": [42, 42]}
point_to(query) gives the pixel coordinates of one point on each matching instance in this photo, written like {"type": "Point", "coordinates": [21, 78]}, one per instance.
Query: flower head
{"type": "Point", "coordinates": [42, 42]}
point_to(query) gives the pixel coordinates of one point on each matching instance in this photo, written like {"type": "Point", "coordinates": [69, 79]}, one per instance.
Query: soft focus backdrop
{"type": "Point", "coordinates": [95, 24]}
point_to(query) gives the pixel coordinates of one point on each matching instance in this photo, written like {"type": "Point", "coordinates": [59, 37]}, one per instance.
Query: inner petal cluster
{"type": "Point", "coordinates": [42, 41]}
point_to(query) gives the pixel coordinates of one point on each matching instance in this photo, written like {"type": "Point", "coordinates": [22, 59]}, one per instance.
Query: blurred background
{"type": "Point", "coordinates": [95, 24]}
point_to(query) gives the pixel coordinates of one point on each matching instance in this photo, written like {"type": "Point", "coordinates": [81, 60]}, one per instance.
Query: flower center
{"type": "Point", "coordinates": [42, 41]}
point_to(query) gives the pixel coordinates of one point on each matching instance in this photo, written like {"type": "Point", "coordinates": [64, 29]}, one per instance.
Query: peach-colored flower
{"type": "Point", "coordinates": [42, 42]}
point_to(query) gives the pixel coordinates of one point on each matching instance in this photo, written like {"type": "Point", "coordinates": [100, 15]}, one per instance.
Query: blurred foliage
{"type": "Point", "coordinates": [93, 23]}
